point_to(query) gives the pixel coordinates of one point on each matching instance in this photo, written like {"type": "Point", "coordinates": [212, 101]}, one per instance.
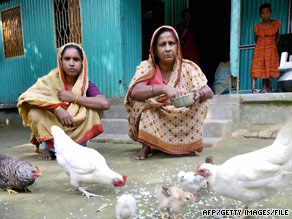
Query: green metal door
{"type": "Point", "coordinates": [249, 18]}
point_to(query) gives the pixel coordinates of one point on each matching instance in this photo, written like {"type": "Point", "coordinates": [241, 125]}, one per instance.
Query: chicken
{"type": "Point", "coordinates": [190, 182]}
{"type": "Point", "coordinates": [16, 174]}
{"type": "Point", "coordinates": [126, 207]}
{"type": "Point", "coordinates": [82, 164]}
{"type": "Point", "coordinates": [172, 198]}
{"type": "Point", "coordinates": [253, 176]}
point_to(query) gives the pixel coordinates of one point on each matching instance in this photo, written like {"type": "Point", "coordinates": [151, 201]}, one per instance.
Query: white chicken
{"type": "Point", "coordinates": [253, 176]}
{"type": "Point", "coordinates": [172, 198]}
{"type": "Point", "coordinates": [190, 182]}
{"type": "Point", "coordinates": [82, 164]}
{"type": "Point", "coordinates": [126, 207]}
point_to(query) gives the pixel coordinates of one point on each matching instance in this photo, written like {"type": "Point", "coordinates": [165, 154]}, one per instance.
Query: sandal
{"type": "Point", "coordinates": [263, 91]}
{"type": "Point", "coordinates": [254, 91]}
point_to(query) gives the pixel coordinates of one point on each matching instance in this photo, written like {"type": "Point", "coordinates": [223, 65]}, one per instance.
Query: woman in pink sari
{"type": "Point", "coordinates": [153, 120]}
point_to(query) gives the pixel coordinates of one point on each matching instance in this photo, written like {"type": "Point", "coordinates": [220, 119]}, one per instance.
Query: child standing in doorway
{"type": "Point", "coordinates": [265, 59]}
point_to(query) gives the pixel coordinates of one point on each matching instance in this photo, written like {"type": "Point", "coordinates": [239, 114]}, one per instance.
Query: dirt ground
{"type": "Point", "coordinates": [54, 198]}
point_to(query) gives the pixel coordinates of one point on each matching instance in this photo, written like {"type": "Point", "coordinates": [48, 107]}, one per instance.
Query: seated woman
{"type": "Point", "coordinates": [66, 98]}
{"type": "Point", "coordinates": [153, 120]}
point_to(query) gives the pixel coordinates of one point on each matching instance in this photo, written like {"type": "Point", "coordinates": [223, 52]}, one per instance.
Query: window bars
{"type": "Point", "coordinates": [67, 22]}
{"type": "Point", "coordinates": [12, 32]}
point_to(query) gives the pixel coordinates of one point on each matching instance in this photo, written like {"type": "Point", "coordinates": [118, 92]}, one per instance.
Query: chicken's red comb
{"type": "Point", "coordinates": [199, 164]}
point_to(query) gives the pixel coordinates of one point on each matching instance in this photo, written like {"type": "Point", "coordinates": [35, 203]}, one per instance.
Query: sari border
{"type": "Point", "coordinates": [154, 142]}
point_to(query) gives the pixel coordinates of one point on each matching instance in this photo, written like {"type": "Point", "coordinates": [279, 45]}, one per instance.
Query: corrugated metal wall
{"type": "Point", "coordinates": [131, 38]}
{"type": "Point", "coordinates": [111, 32]}
{"type": "Point", "coordinates": [18, 73]}
{"type": "Point", "coordinates": [101, 28]}
{"type": "Point", "coordinates": [249, 18]}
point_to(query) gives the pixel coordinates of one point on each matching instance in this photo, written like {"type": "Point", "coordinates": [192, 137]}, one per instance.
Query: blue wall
{"type": "Point", "coordinates": [18, 73]}
{"type": "Point", "coordinates": [111, 38]}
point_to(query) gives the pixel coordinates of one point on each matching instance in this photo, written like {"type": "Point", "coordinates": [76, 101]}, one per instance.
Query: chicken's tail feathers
{"type": "Point", "coordinates": [284, 135]}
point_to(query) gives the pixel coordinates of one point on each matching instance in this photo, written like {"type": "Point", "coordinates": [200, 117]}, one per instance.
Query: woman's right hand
{"type": "Point", "coordinates": [172, 92]}
{"type": "Point", "coordinates": [64, 117]}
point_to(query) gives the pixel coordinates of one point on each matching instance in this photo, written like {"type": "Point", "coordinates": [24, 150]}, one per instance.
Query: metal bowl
{"type": "Point", "coordinates": [185, 100]}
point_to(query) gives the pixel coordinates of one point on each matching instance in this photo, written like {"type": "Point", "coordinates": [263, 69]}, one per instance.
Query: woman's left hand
{"type": "Point", "coordinates": [197, 97]}
{"type": "Point", "coordinates": [66, 96]}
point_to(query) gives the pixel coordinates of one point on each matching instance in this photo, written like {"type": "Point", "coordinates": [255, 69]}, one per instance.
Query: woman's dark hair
{"type": "Point", "coordinates": [75, 47]}
{"type": "Point", "coordinates": [265, 5]}
{"type": "Point", "coordinates": [161, 31]}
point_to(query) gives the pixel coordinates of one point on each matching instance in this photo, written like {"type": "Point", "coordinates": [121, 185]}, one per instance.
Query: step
{"type": "Point", "coordinates": [116, 110]}
{"type": "Point", "coordinates": [212, 127]}
{"type": "Point", "coordinates": [217, 128]}
{"type": "Point", "coordinates": [115, 126]}
{"type": "Point", "coordinates": [125, 139]}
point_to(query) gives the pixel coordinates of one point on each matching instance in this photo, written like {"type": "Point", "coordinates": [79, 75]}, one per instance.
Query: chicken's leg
{"type": "Point", "coordinates": [11, 191]}
{"type": "Point", "coordinates": [161, 214]}
{"type": "Point", "coordinates": [171, 214]}
{"type": "Point", "coordinates": [26, 189]}
{"type": "Point", "coordinates": [85, 193]}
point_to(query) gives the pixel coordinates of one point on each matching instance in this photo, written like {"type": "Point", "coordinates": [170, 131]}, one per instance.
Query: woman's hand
{"type": "Point", "coordinates": [203, 94]}
{"type": "Point", "coordinates": [64, 117]}
{"type": "Point", "coordinates": [66, 96]}
{"type": "Point", "coordinates": [198, 97]}
{"type": "Point", "coordinates": [172, 92]}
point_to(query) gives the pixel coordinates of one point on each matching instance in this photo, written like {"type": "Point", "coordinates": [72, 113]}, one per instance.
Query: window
{"type": "Point", "coordinates": [67, 22]}
{"type": "Point", "coordinates": [12, 32]}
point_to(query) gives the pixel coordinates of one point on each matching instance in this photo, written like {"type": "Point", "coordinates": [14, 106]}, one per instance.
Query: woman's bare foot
{"type": "Point", "coordinates": [47, 155]}
{"type": "Point", "coordinates": [144, 153]}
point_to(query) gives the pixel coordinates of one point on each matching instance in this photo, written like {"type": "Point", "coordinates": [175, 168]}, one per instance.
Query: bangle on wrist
{"type": "Point", "coordinates": [57, 109]}
{"type": "Point", "coordinates": [76, 99]}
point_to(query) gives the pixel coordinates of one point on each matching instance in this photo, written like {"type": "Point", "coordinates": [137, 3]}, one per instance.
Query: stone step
{"type": "Point", "coordinates": [221, 107]}
{"type": "Point", "coordinates": [216, 111]}
{"type": "Point", "coordinates": [212, 127]}
{"type": "Point", "coordinates": [125, 139]}
{"type": "Point", "coordinates": [115, 126]}
{"type": "Point", "coordinates": [115, 111]}
{"type": "Point", "coordinates": [217, 128]}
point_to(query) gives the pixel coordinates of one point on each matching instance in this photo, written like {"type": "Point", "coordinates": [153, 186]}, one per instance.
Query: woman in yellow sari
{"type": "Point", "coordinates": [66, 98]}
{"type": "Point", "coordinates": [153, 120]}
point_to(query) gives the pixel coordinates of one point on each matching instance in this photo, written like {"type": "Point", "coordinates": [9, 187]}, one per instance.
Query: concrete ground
{"type": "Point", "coordinates": [53, 197]}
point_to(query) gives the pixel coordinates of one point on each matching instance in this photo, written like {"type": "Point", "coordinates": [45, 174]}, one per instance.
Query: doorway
{"type": "Point", "coordinates": [152, 12]}
{"type": "Point", "coordinates": [211, 20]}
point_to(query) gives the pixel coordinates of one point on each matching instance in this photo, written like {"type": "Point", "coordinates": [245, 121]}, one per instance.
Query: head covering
{"type": "Point", "coordinates": [44, 95]}
{"type": "Point", "coordinates": [155, 36]}
{"type": "Point", "coordinates": [147, 68]}
{"type": "Point", "coordinates": [83, 74]}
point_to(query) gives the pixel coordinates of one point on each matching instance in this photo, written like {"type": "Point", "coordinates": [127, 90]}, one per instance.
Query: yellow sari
{"type": "Point", "coordinates": [156, 122]}
{"type": "Point", "coordinates": [43, 97]}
